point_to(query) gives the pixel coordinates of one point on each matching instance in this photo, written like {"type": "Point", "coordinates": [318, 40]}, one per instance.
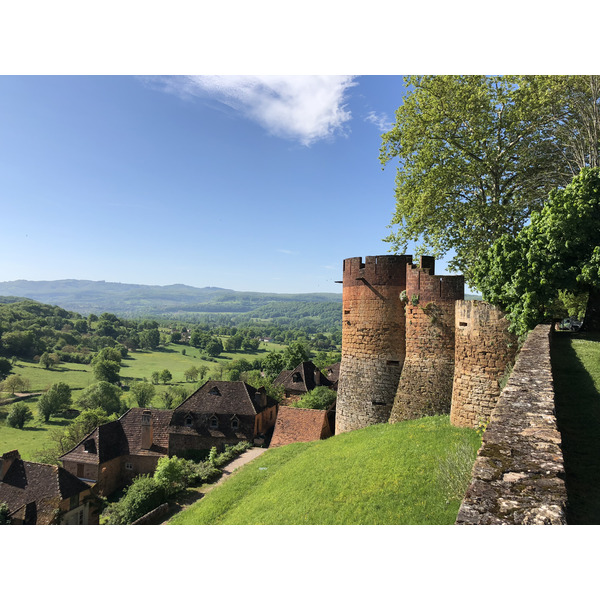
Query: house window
{"type": "Point", "coordinates": [296, 377]}
{"type": "Point", "coordinates": [189, 421]}
{"type": "Point", "coordinates": [213, 423]}
{"type": "Point", "coordinates": [215, 391]}
{"type": "Point", "coordinates": [129, 466]}
{"type": "Point", "coordinates": [235, 423]}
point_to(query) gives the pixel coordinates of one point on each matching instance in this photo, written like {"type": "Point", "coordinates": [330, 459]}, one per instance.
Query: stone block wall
{"type": "Point", "coordinates": [518, 476]}
{"type": "Point", "coordinates": [373, 340]}
{"type": "Point", "coordinates": [425, 386]}
{"type": "Point", "coordinates": [484, 350]}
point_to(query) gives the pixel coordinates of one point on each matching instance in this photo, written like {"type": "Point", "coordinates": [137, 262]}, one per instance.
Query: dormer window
{"type": "Point", "coordinates": [235, 423]}
{"type": "Point", "coordinates": [89, 446]}
{"type": "Point", "coordinates": [188, 421]}
{"type": "Point", "coordinates": [296, 377]}
{"type": "Point", "coordinates": [214, 391]}
{"type": "Point", "coordinates": [213, 422]}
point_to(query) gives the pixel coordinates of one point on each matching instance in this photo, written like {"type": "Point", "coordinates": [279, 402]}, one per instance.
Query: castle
{"type": "Point", "coordinates": [413, 347]}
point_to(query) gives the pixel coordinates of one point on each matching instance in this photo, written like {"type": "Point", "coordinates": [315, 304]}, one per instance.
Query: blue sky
{"type": "Point", "coordinates": [250, 183]}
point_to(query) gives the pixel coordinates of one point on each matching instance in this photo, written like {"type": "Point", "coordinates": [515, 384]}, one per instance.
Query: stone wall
{"type": "Point", "coordinates": [373, 340]}
{"type": "Point", "coordinates": [518, 476]}
{"type": "Point", "coordinates": [425, 386]}
{"type": "Point", "coordinates": [484, 350]}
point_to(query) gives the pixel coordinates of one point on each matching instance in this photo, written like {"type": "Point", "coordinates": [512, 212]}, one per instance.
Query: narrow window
{"type": "Point", "coordinates": [189, 421]}
{"type": "Point", "coordinates": [235, 424]}
{"type": "Point", "coordinates": [129, 466]}
{"type": "Point", "coordinates": [214, 423]}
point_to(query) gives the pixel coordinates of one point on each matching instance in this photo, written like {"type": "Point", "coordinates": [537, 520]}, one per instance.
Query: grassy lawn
{"type": "Point", "coordinates": [404, 473]}
{"type": "Point", "coordinates": [576, 371]}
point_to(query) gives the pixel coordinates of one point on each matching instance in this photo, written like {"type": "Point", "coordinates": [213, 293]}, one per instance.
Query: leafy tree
{"type": "Point", "coordinates": [102, 395]}
{"type": "Point", "coordinates": [320, 398]}
{"type": "Point", "coordinates": [15, 383]}
{"type": "Point", "coordinates": [274, 363]}
{"type": "Point", "coordinates": [19, 415]}
{"type": "Point", "coordinates": [109, 353]}
{"type": "Point", "coordinates": [149, 339]}
{"type": "Point", "coordinates": [165, 376]}
{"type": "Point", "coordinates": [142, 393]}
{"type": "Point", "coordinates": [477, 155]}
{"type": "Point", "coordinates": [294, 354]}
{"type": "Point", "coordinates": [214, 347]}
{"type": "Point", "coordinates": [46, 361]}
{"type": "Point", "coordinates": [155, 377]}
{"type": "Point", "coordinates": [250, 343]}
{"type": "Point", "coordinates": [173, 474]}
{"type": "Point", "coordinates": [5, 368]}
{"type": "Point", "coordinates": [107, 370]}
{"type": "Point", "coordinates": [202, 371]}
{"type": "Point", "coordinates": [191, 374]}
{"type": "Point", "coordinates": [56, 399]}
{"type": "Point", "coordinates": [558, 250]}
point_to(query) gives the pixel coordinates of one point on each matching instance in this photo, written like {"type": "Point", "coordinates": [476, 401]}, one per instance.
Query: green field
{"type": "Point", "coordinates": [413, 472]}
{"type": "Point", "coordinates": [137, 366]}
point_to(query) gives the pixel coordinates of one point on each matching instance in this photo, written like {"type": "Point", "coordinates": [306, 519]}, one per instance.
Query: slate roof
{"type": "Point", "coordinates": [123, 437]}
{"type": "Point", "coordinates": [333, 372]}
{"type": "Point", "coordinates": [33, 490]}
{"type": "Point", "coordinates": [305, 375]}
{"type": "Point", "coordinates": [298, 425]}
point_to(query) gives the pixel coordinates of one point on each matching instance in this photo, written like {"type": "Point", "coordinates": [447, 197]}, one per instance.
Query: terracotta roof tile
{"type": "Point", "coordinates": [299, 425]}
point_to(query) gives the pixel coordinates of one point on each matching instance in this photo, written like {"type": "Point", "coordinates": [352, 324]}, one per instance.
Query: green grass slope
{"type": "Point", "coordinates": [407, 473]}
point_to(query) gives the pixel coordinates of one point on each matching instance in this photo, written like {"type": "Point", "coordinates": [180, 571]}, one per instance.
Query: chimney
{"type": "Point", "coordinates": [260, 398]}
{"type": "Point", "coordinates": [146, 430]}
{"type": "Point", "coordinates": [6, 460]}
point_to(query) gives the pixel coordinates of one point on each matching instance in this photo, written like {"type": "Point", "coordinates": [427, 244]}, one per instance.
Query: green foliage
{"type": "Point", "coordinates": [295, 354]}
{"type": "Point", "coordinates": [558, 250]}
{"type": "Point", "coordinates": [106, 370]}
{"type": "Point", "coordinates": [102, 395]}
{"type": "Point", "coordinates": [142, 496]}
{"type": "Point", "coordinates": [149, 339]}
{"type": "Point", "coordinates": [19, 414]}
{"type": "Point", "coordinates": [454, 471]}
{"type": "Point", "coordinates": [320, 398]}
{"type": "Point", "coordinates": [142, 393]}
{"type": "Point", "coordinates": [165, 376]}
{"type": "Point", "coordinates": [109, 353]}
{"type": "Point", "coordinates": [214, 347]}
{"type": "Point", "coordinates": [46, 361]}
{"type": "Point", "coordinates": [173, 473]}
{"type": "Point", "coordinates": [15, 383]}
{"type": "Point", "coordinates": [55, 400]}
{"type": "Point", "coordinates": [4, 512]}
{"type": "Point", "coordinates": [5, 368]}
{"type": "Point", "coordinates": [273, 364]}
{"type": "Point", "coordinates": [476, 156]}
{"type": "Point", "coordinates": [191, 374]}
{"type": "Point", "coordinates": [155, 377]}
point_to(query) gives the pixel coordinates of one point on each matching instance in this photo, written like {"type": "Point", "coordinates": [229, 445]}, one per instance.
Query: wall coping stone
{"type": "Point", "coordinates": [518, 476]}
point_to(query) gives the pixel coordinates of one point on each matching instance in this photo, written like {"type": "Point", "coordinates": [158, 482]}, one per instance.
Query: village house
{"type": "Point", "coordinates": [219, 413]}
{"type": "Point", "coordinates": [333, 374]}
{"type": "Point", "coordinates": [297, 382]}
{"type": "Point", "coordinates": [116, 452]}
{"type": "Point", "coordinates": [39, 494]}
{"type": "Point", "coordinates": [300, 425]}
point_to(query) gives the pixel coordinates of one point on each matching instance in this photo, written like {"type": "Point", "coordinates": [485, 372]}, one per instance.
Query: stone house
{"type": "Point", "coordinates": [333, 374]}
{"type": "Point", "coordinates": [221, 413]}
{"type": "Point", "coordinates": [39, 494]}
{"type": "Point", "coordinates": [300, 425]}
{"type": "Point", "coordinates": [116, 452]}
{"type": "Point", "coordinates": [297, 382]}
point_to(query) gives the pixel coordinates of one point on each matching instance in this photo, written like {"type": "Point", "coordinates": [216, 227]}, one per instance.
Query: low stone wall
{"type": "Point", "coordinates": [153, 516]}
{"type": "Point", "coordinates": [518, 476]}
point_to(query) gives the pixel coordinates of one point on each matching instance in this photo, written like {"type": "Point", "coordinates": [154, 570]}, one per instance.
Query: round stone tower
{"type": "Point", "coordinates": [372, 340]}
{"type": "Point", "coordinates": [484, 351]}
{"type": "Point", "coordinates": [425, 387]}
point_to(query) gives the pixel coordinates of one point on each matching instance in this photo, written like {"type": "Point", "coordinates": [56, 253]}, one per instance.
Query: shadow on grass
{"type": "Point", "coordinates": [34, 428]}
{"type": "Point", "coordinates": [578, 415]}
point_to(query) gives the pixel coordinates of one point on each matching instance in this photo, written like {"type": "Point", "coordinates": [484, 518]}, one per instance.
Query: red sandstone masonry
{"type": "Point", "coordinates": [485, 349]}
{"type": "Point", "coordinates": [518, 476]}
{"type": "Point", "coordinates": [373, 340]}
{"type": "Point", "coordinates": [425, 386]}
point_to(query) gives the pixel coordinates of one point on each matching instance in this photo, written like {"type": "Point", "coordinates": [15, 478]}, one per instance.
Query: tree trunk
{"type": "Point", "coordinates": [591, 321]}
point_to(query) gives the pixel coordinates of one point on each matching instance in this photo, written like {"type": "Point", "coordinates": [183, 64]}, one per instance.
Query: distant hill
{"type": "Point", "coordinates": [131, 300]}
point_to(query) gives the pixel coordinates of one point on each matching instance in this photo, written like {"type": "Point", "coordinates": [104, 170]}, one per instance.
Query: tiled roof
{"type": "Point", "coordinates": [333, 372]}
{"type": "Point", "coordinates": [33, 490]}
{"type": "Point", "coordinates": [298, 425]}
{"type": "Point", "coordinates": [304, 374]}
{"type": "Point", "coordinates": [123, 437]}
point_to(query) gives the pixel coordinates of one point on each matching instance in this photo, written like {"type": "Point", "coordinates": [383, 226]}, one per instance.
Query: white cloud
{"type": "Point", "coordinates": [381, 121]}
{"type": "Point", "coordinates": [298, 107]}
{"type": "Point", "coordinates": [286, 251]}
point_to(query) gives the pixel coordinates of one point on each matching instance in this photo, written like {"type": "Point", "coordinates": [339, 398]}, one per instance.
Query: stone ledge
{"type": "Point", "coordinates": [518, 476]}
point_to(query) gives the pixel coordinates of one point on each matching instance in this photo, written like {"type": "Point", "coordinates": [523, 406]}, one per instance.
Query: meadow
{"type": "Point", "coordinates": [137, 366]}
{"type": "Point", "coordinates": [408, 473]}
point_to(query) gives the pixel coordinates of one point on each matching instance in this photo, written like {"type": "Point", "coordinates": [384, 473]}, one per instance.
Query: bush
{"type": "Point", "coordinates": [4, 512]}
{"type": "Point", "coordinates": [320, 398]}
{"type": "Point", "coordinates": [142, 496]}
{"type": "Point", "coordinates": [174, 473]}
{"type": "Point", "coordinates": [57, 398]}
